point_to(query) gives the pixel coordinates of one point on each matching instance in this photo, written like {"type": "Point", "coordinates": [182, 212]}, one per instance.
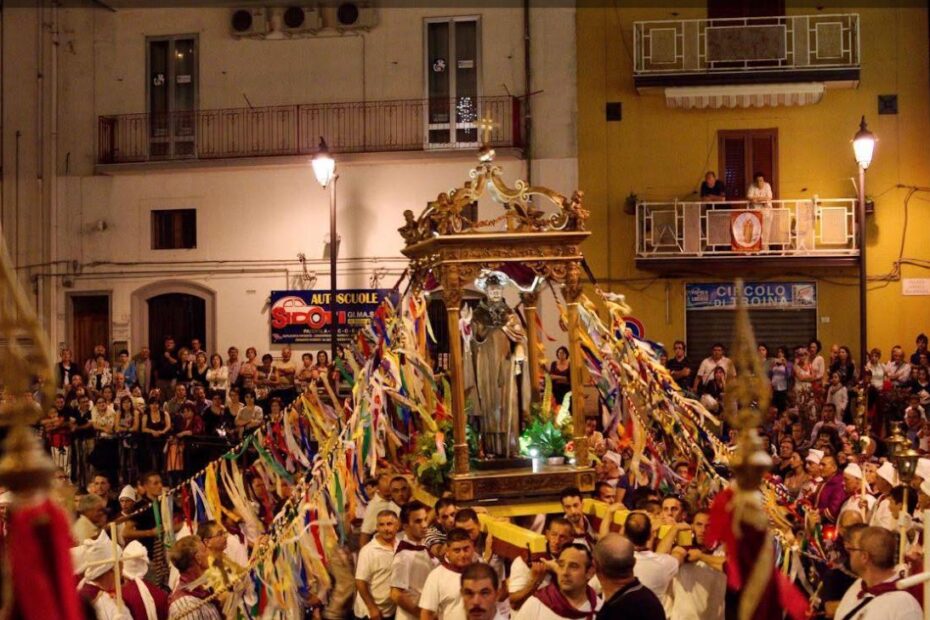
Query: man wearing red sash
{"type": "Point", "coordinates": [571, 597]}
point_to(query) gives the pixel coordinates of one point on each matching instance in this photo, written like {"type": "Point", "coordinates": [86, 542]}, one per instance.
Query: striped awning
{"type": "Point", "coordinates": [747, 96]}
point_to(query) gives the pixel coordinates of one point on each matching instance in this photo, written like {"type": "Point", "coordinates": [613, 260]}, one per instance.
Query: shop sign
{"type": "Point", "coordinates": [775, 295]}
{"type": "Point", "coordinates": [303, 317]}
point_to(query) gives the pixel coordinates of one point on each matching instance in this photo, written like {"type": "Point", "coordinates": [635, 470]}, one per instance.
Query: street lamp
{"type": "Point", "coordinates": [324, 169]}
{"type": "Point", "coordinates": [863, 147]}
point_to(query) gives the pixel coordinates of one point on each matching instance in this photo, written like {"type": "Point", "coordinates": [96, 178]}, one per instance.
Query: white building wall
{"type": "Point", "coordinates": [254, 217]}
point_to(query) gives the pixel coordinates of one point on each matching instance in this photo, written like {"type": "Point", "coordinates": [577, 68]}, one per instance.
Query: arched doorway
{"type": "Point", "coordinates": [181, 309]}
{"type": "Point", "coordinates": [179, 315]}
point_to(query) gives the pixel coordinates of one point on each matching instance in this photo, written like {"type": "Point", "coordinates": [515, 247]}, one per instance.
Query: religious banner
{"type": "Point", "coordinates": [746, 231]}
{"type": "Point", "coordinates": [775, 295]}
{"type": "Point", "coordinates": [303, 317]}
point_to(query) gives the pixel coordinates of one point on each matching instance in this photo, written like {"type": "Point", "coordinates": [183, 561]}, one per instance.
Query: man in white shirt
{"type": "Point", "coordinates": [526, 579]}
{"type": "Point", "coordinates": [569, 597]}
{"type": "Point", "coordinates": [442, 593]}
{"type": "Point", "coordinates": [373, 571]}
{"type": "Point", "coordinates": [706, 370]}
{"type": "Point", "coordinates": [699, 589]}
{"type": "Point", "coordinates": [655, 569]}
{"type": "Point", "coordinates": [760, 192]}
{"type": "Point", "coordinates": [412, 562]}
{"type": "Point", "coordinates": [874, 596]}
{"type": "Point", "coordinates": [886, 479]}
{"type": "Point", "coordinates": [897, 370]}
{"type": "Point", "coordinates": [381, 500]}
{"type": "Point", "coordinates": [480, 591]}
{"type": "Point", "coordinates": [863, 503]}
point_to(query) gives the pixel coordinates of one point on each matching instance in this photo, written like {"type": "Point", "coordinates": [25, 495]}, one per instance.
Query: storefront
{"type": "Point", "coordinates": [782, 313]}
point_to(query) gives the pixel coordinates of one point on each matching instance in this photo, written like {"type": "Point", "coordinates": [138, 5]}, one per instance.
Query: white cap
{"type": "Point", "coordinates": [853, 471]}
{"type": "Point", "coordinates": [814, 456]}
{"type": "Point", "coordinates": [888, 473]}
{"type": "Point", "coordinates": [923, 469]}
{"type": "Point", "coordinates": [94, 557]}
{"type": "Point", "coordinates": [135, 560]}
{"type": "Point", "coordinates": [925, 487]}
{"type": "Point", "coordinates": [613, 456]}
{"type": "Point", "coordinates": [6, 498]}
{"type": "Point", "coordinates": [128, 492]}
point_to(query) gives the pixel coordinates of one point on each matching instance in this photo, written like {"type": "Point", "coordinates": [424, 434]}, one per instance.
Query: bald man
{"type": "Point", "coordinates": [624, 595]}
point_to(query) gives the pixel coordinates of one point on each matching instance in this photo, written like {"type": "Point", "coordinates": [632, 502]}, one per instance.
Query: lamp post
{"type": "Point", "coordinates": [324, 169]}
{"type": "Point", "coordinates": [863, 147]}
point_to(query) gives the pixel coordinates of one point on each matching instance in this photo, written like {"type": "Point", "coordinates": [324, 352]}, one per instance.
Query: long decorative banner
{"type": "Point", "coordinates": [399, 408]}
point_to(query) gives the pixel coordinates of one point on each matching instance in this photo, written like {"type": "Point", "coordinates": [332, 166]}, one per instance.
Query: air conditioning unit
{"type": "Point", "coordinates": [297, 19]}
{"type": "Point", "coordinates": [248, 22]}
{"type": "Point", "coordinates": [352, 15]}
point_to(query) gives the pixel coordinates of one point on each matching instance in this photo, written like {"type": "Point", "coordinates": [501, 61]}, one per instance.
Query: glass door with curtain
{"type": "Point", "coordinates": [452, 84]}
{"type": "Point", "coordinates": [172, 88]}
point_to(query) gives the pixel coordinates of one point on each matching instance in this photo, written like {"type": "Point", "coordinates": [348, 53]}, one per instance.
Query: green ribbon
{"type": "Point", "coordinates": [273, 464]}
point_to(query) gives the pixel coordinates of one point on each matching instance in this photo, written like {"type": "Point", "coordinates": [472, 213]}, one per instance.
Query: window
{"type": "Point", "coordinates": [742, 154]}
{"type": "Point", "coordinates": [721, 9]}
{"type": "Point", "coordinates": [174, 229]}
{"type": "Point", "coordinates": [172, 95]}
{"type": "Point", "coordinates": [452, 69]}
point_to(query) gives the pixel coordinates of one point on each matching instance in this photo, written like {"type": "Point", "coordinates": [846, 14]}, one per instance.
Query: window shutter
{"type": "Point", "coordinates": [733, 157]}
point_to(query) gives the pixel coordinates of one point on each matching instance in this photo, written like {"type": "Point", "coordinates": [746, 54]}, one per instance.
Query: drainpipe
{"type": "Point", "coordinates": [527, 89]}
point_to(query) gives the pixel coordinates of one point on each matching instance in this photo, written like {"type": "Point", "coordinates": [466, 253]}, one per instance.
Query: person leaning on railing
{"type": "Point", "coordinates": [713, 189]}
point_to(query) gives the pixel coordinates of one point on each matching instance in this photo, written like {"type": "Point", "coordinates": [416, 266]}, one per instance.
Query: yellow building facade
{"type": "Point", "coordinates": [661, 153]}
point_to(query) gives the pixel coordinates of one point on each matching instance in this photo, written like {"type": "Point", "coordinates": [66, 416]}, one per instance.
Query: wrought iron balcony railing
{"type": "Point", "coordinates": [354, 127]}
{"type": "Point", "coordinates": [795, 43]}
{"type": "Point", "coordinates": [786, 228]}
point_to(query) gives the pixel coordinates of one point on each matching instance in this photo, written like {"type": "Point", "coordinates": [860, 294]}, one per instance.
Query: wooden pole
{"type": "Point", "coordinates": [532, 342]}
{"type": "Point", "coordinates": [118, 577]}
{"type": "Point", "coordinates": [926, 545]}
{"type": "Point", "coordinates": [902, 531]}
{"type": "Point", "coordinates": [572, 291]}
{"type": "Point", "coordinates": [457, 384]}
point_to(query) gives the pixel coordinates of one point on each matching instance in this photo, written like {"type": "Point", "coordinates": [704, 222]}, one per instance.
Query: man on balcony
{"type": "Point", "coordinates": [759, 193]}
{"type": "Point", "coordinates": [759, 196]}
{"type": "Point", "coordinates": [713, 189]}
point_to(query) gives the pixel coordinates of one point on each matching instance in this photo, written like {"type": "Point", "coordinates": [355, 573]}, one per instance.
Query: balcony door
{"type": "Point", "coordinates": [743, 153]}
{"type": "Point", "coordinates": [452, 82]}
{"type": "Point", "coordinates": [172, 96]}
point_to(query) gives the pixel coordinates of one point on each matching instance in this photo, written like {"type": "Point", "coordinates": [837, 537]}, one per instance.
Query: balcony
{"type": "Point", "coordinates": [355, 127]}
{"type": "Point", "coordinates": [800, 233]}
{"type": "Point", "coordinates": [753, 50]}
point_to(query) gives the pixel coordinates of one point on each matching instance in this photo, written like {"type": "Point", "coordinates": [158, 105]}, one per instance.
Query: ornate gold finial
{"type": "Point", "coordinates": [747, 400]}
{"type": "Point", "coordinates": [25, 468]}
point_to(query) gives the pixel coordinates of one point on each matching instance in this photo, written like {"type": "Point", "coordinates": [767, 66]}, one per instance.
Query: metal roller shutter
{"type": "Point", "coordinates": [773, 327]}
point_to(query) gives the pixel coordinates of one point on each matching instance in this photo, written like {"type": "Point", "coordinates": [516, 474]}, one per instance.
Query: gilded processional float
{"type": "Point", "coordinates": [494, 358]}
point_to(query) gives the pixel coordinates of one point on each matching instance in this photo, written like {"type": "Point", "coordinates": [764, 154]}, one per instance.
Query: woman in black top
{"type": "Point", "coordinates": [560, 371]}
{"type": "Point", "coordinates": [200, 368]}
{"type": "Point", "coordinates": [155, 427]}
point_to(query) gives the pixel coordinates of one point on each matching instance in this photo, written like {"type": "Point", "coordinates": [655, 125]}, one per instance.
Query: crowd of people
{"type": "Point", "coordinates": [109, 423]}
{"type": "Point", "coordinates": [142, 414]}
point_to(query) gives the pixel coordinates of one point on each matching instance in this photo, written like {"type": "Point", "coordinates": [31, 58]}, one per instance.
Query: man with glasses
{"type": "Point", "coordinates": [223, 570]}
{"type": "Point", "coordinates": [874, 596]}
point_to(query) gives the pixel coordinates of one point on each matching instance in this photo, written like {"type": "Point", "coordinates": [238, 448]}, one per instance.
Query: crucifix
{"type": "Point", "coordinates": [486, 125]}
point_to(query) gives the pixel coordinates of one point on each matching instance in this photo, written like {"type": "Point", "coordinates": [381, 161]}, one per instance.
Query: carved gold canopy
{"type": "Point", "coordinates": [443, 242]}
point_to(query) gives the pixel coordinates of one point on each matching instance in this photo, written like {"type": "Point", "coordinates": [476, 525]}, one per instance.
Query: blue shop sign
{"type": "Point", "coordinates": [773, 295]}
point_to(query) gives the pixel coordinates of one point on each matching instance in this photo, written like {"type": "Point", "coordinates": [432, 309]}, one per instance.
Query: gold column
{"type": "Point", "coordinates": [571, 289]}
{"type": "Point", "coordinates": [452, 296]}
{"type": "Point", "coordinates": [532, 338]}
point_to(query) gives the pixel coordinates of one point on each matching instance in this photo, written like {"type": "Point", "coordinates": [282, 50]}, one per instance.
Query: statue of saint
{"type": "Point", "coordinates": [494, 353]}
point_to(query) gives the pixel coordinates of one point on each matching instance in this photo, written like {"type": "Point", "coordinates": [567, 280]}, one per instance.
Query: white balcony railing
{"type": "Point", "coordinates": [757, 44]}
{"type": "Point", "coordinates": [787, 228]}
